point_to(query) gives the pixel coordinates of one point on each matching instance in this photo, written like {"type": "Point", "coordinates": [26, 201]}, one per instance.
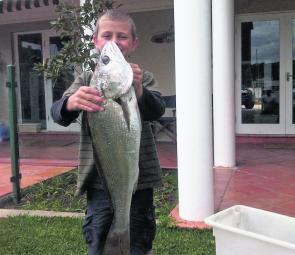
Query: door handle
{"type": "Point", "coordinates": [288, 76]}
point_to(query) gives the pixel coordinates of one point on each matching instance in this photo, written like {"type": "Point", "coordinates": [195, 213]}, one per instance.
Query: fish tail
{"type": "Point", "coordinates": [117, 243]}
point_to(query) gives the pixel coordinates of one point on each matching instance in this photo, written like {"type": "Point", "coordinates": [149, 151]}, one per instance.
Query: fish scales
{"type": "Point", "coordinates": [115, 136]}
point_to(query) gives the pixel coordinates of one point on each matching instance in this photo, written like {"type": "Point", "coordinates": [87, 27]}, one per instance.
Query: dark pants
{"type": "Point", "coordinates": [99, 217]}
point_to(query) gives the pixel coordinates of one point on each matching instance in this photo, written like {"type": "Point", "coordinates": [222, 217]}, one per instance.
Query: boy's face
{"type": "Point", "coordinates": [118, 32]}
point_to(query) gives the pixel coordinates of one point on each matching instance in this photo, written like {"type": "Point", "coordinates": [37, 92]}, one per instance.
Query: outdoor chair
{"type": "Point", "coordinates": [167, 124]}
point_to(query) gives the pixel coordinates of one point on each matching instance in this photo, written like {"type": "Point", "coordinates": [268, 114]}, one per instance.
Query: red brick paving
{"type": "Point", "coordinates": [41, 157]}
{"type": "Point", "coordinates": [31, 174]}
{"type": "Point", "coordinates": [264, 178]}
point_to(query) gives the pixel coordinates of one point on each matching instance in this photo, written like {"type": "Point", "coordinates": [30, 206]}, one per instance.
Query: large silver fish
{"type": "Point", "coordinates": [116, 139]}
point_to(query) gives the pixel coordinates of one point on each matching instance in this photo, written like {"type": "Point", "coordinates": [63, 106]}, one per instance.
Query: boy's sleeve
{"type": "Point", "coordinates": [59, 112]}
{"type": "Point", "coordinates": [151, 104]}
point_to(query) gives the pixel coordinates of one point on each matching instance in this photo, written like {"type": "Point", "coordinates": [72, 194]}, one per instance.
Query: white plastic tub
{"type": "Point", "coordinates": [243, 230]}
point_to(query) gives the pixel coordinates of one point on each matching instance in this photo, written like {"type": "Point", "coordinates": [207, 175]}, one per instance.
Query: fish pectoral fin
{"type": "Point", "coordinates": [126, 112]}
{"type": "Point", "coordinates": [135, 186]}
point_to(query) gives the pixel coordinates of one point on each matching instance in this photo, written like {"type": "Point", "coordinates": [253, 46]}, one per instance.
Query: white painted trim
{"type": "Point", "coordinates": [17, 76]}
{"type": "Point", "coordinates": [290, 127]}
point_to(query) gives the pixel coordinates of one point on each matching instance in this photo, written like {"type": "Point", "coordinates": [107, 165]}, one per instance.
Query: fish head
{"type": "Point", "coordinates": [114, 73]}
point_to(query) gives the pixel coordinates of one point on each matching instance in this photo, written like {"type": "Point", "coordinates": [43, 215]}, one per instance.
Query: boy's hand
{"type": "Point", "coordinates": [137, 79]}
{"type": "Point", "coordinates": [86, 99]}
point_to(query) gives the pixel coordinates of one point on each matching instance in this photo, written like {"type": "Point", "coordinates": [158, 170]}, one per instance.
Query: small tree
{"type": "Point", "coordinates": [77, 48]}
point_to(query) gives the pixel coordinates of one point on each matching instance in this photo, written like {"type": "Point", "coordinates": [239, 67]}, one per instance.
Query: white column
{"type": "Point", "coordinates": [194, 108]}
{"type": "Point", "coordinates": [223, 82]}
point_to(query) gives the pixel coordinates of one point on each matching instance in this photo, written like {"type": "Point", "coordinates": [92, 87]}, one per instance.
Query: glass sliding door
{"type": "Point", "coordinates": [263, 57]}
{"type": "Point", "coordinates": [260, 72]}
{"type": "Point", "coordinates": [32, 94]}
{"type": "Point", "coordinates": [55, 89]}
{"type": "Point", "coordinates": [36, 94]}
{"type": "Point", "coordinates": [265, 74]}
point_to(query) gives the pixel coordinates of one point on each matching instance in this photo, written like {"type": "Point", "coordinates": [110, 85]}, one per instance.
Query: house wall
{"type": "Point", "coordinates": [156, 57]}
{"type": "Point", "coordinates": [19, 21]}
{"type": "Point", "coordinates": [256, 6]}
{"type": "Point", "coordinates": [28, 15]}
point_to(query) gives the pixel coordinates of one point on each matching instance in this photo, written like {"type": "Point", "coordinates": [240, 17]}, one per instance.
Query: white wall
{"type": "Point", "coordinates": [146, 5]}
{"type": "Point", "coordinates": [155, 57]}
{"type": "Point", "coordinates": [255, 6]}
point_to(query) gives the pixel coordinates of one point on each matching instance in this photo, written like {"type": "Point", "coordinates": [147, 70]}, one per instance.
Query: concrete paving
{"type": "Point", "coordinates": [5, 213]}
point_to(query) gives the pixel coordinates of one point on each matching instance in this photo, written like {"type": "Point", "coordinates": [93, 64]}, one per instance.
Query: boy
{"type": "Point", "coordinates": [118, 27]}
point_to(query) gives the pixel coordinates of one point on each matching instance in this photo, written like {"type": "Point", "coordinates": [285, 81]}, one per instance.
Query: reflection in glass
{"type": "Point", "coordinates": [260, 72]}
{"type": "Point", "coordinates": [293, 73]}
{"type": "Point", "coordinates": [66, 77]}
{"type": "Point", "coordinates": [31, 82]}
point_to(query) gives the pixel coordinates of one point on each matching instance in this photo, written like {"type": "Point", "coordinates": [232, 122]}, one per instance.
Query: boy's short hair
{"type": "Point", "coordinates": [117, 15]}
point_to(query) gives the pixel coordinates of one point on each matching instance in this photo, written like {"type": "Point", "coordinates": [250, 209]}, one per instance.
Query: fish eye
{"type": "Point", "coordinates": [105, 59]}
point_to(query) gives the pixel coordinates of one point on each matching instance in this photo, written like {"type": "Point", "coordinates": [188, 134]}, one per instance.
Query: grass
{"type": "Point", "coordinates": [55, 194]}
{"type": "Point", "coordinates": [39, 235]}
{"type": "Point", "coordinates": [36, 235]}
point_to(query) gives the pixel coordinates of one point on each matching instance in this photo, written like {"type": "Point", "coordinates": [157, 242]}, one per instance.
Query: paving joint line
{"type": "Point", "coordinates": [5, 213]}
